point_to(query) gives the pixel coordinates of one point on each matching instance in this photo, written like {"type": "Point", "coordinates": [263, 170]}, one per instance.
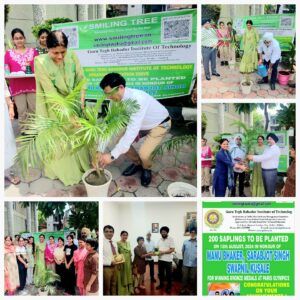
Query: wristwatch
{"type": "Point", "coordinates": [112, 157]}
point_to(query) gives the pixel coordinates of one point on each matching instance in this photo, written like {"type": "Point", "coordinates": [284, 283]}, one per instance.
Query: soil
{"type": "Point", "coordinates": [246, 83]}
{"type": "Point", "coordinates": [95, 178]}
{"type": "Point", "coordinates": [183, 194]}
{"type": "Point", "coordinates": [284, 73]}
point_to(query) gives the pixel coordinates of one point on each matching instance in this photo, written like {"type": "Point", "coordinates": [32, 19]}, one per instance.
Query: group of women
{"type": "Point", "coordinates": [25, 263]}
{"type": "Point", "coordinates": [57, 72]}
{"type": "Point", "coordinates": [223, 174]}
{"type": "Point", "coordinates": [131, 274]}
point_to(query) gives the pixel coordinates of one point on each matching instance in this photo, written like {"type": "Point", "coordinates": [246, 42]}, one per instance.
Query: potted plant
{"type": "Point", "coordinates": [179, 189]}
{"type": "Point", "coordinates": [246, 84]}
{"type": "Point", "coordinates": [288, 61]}
{"type": "Point", "coordinates": [70, 129]}
{"type": "Point", "coordinates": [46, 282]}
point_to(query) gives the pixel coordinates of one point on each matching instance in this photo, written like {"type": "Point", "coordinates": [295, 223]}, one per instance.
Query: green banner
{"type": "Point", "coordinates": [281, 25]}
{"type": "Point", "coordinates": [155, 52]}
{"type": "Point", "coordinates": [248, 250]}
{"type": "Point", "coordinates": [36, 235]}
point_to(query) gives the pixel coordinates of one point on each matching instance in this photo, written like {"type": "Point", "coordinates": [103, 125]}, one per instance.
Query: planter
{"type": "Point", "coordinates": [43, 293]}
{"type": "Point", "coordinates": [283, 77]}
{"type": "Point", "coordinates": [231, 65]}
{"type": "Point", "coordinates": [246, 88]}
{"type": "Point", "coordinates": [181, 189]}
{"type": "Point", "coordinates": [97, 190]}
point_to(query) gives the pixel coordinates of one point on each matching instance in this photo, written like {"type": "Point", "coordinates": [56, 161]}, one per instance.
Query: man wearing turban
{"type": "Point", "coordinates": [269, 55]}
{"type": "Point", "coordinates": [269, 163]}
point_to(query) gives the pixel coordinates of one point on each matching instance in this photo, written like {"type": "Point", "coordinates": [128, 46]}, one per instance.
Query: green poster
{"type": "Point", "coordinates": [154, 52]}
{"type": "Point", "coordinates": [281, 25]}
{"type": "Point", "coordinates": [248, 248]}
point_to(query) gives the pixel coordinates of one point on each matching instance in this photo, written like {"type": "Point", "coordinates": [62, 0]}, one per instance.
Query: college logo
{"type": "Point", "coordinates": [213, 218]}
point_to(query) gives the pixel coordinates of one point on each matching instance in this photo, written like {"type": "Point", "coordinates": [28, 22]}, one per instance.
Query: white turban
{"type": "Point", "coordinates": [268, 36]}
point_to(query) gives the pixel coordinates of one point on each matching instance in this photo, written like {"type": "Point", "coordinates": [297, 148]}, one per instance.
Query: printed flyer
{"type": "Point", "coordinates": [248, 248]}
{"type": "Point", "coordinates": [155, 52]}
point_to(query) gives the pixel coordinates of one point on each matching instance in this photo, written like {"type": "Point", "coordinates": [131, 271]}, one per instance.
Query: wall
{"type": "Point", "coordinates": [137, 218]}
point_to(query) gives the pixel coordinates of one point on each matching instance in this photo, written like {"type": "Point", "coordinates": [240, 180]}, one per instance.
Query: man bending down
{"type": "Point", "coordinates": [151, 121]}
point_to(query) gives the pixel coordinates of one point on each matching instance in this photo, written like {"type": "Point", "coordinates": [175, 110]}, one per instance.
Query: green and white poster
{"type": "Point", "coordinates": [281, 25]}
{"type": "Point", "coordinates": [248, 248]}
{"type": "Point", "coordinates": [154, 52]}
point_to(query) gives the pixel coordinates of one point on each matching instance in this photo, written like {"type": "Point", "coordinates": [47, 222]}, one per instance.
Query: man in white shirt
{"type": "Point", "coordinates": [150, 247]}
{"type": "Point", "coordinates": [165, 247]}
{"type": "Point", "coordinates": [151, 121]}
{"type": "Point", "coordinates": [269, 164]}
{"type": "Point", "coordinates": [110, 270]}
{"type": "Point", "coordinates": [269, 55]}
{"type": "Point", "coordinates": [238, 155]}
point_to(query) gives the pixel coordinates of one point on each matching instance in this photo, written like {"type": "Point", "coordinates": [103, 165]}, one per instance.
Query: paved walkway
{"type": "Point", "coordinates": [227, 86]}
{"type": "Point", "coordinates": [166, 169]}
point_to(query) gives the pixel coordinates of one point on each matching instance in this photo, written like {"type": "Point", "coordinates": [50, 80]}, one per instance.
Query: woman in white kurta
{"type": "Point", "coordinates": [10, 142]}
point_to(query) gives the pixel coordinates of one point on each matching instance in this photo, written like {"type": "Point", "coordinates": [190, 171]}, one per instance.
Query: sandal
{"type": "Point", "coordinates": [13, 179]}
{"type": "Point", "coordinates": [137, 291]}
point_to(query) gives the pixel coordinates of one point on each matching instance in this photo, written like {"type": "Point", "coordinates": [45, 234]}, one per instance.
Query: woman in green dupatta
{"type": "Point", "coordinates": [58, 73]}
{"type": "Point", "coordinates": [250, 41]}
{"type": "Point", "coordinates": [40, 265]}
{"type": "Point", "coordinates": [257, 185]}
{"type": "Point", "coordinates": [125, 280]}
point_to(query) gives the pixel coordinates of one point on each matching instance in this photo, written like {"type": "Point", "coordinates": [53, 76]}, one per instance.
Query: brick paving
{"type": "Point", "coordinates": [169, 168]}
{"type": "Point", "coordinates": [227, 86]}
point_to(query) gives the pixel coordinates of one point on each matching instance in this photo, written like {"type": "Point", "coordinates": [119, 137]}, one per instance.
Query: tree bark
{"type": "Point", "coordinates": [10, 218]}
{"type": "Point", "coordinates": [28, 215]}
{"type": "Point", "coordinates": [82, 12]}
{"type": "Point", "coordinates": [267, 120]}
{"type": "Point", "coordinates": [39, 14]}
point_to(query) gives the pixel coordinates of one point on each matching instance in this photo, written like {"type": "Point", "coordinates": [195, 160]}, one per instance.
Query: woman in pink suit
{"type": "Point", "coordinates": [79, 257]}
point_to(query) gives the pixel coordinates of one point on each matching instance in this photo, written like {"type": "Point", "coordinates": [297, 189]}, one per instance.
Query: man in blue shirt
{"type": "Point", "coordinates": [150, 247]}
{"type": "Point", "coordinates": [189, 266]}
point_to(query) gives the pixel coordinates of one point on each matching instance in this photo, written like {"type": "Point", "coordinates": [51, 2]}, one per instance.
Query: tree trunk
{"type": "Point", "coordinates": [82, 12]}
{"type": "Point", "coordinates": [28, 215]}
{"type": "Point", "coordinates": [10, 218]}
{"type": "Point", "coordinates": [101, 11]}
{"type": "Point", "coordinates": [36, 218]}
{"type": "Point", "coordinates": [39, 14]}
{"type": "Point", "coordinates": [267, 120]}
{"type": "Point", "coordinates": [221, 118]}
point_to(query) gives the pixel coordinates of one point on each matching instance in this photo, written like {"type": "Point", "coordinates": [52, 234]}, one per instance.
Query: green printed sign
{"type": "Point", "coordinates": [248, 250]}
{"type": "Point", "coordinates": [281, 25]}
{"type": "Point", "coordinates": [155, 52]}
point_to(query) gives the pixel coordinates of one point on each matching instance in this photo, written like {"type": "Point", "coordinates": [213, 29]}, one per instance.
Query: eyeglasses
{"type": "Point", "coordinates": [267, 42]}
{"type": "Point", "coordinates": [114, 90]}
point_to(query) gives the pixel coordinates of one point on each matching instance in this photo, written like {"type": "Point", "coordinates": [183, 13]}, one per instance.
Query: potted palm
{"type": "Point", "coordinates": [69, 130]}
{"type": "Point", "coordinates": [46, 282]}
{"type": "Point", "coordinates": [179, 189]}
{"type": "Point", "coordinates": [288, 60]}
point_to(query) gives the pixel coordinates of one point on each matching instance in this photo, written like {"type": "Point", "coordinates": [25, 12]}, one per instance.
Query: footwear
{"type": "Point", "coordinates": [216, 74]}
{"type": "Point", "coordinates": [203, 189]}
{"type": "Point", "coordinates": [146, 177]}
{"type": "Point", "coordinates": [153, 280]}
{"type": "Point", "coordinates": [207, 77]}
{"type": "Point", "coordinates": [161, 286]}
{"type": "Point", "coordinates": [132, 169]}
{"type": "Point", "coordinates": [168, 290]}
{"type": "Point", "coordinates": [226, 63]}
{"type": "Point", "coordinates": [262, 81]}
{"type": "Point", "coordinates": [273, 86]}
{"type": "Point", "coordinates": [13, 179]}
{"type": "Point", "coordinates": [222, 63]}
{"type": "Point", "coordinates": [207, 188]}
{"type": "Point", "coordinates": [243, 195]}
{"type": "Point", "coordinates": [142, 287]}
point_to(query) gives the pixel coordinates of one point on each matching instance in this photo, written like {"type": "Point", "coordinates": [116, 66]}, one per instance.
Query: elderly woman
{"type": "Point", "coordinates": [58, 73]}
